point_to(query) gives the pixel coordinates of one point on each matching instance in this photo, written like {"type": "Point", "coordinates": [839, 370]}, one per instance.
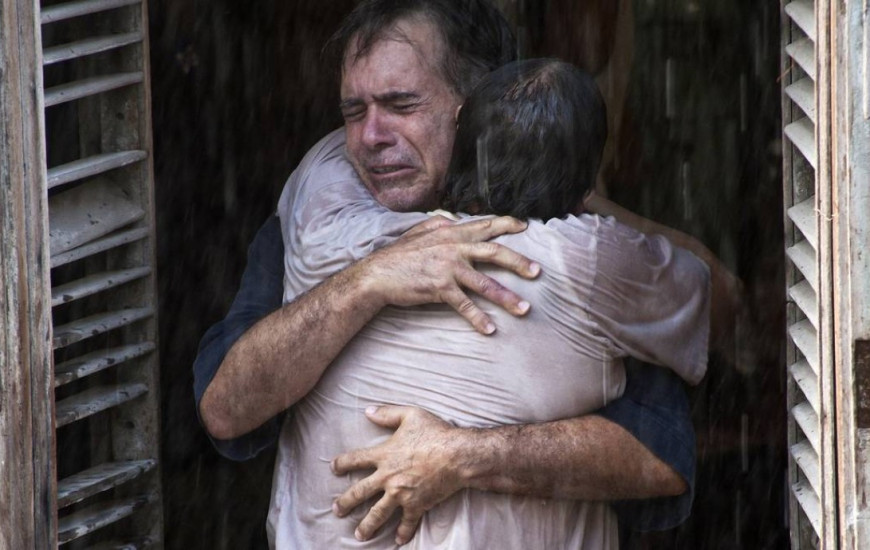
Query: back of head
{"type": "Point", "coordinates": [477, 37]}
{"type": "Point", "coordinates": [529, 142]}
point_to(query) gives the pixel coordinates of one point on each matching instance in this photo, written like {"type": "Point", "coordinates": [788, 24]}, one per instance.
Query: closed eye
{"type": "Point", "coordinates": [352, 109]}
{"type": "Point", "coordinates": [351, 115]}
{"type": "Point", "coordinates": [403, 107]}
{"type": "Point", "coordinates": [400, 102]}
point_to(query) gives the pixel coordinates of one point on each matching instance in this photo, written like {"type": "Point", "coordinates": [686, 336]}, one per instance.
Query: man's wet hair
{"type": "Point", "coordinates": [529, 142]}
{"type": "Point", "coordinates": [474, 33]}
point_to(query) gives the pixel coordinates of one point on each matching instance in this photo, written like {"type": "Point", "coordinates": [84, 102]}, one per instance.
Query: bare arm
{"type": "Point", "coordinates": [280, 358]}
{"type": "Point", "coordinates": [585, 458]}
{"type": "Point", "coordinates": [427, 460]}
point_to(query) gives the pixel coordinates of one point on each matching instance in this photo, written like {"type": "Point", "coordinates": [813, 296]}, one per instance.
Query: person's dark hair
{"type": "Point", "coordinates": [475, 35]}
{"type": "Point", "coordinates": [529, 142]}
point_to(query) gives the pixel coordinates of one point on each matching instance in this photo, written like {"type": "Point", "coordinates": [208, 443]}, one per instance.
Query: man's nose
{"type": "Point", "coordinates": [377, 132]}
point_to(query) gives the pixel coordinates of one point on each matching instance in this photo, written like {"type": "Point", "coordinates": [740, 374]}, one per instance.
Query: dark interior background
{"type": "Point", "coordinates": [239, 94]}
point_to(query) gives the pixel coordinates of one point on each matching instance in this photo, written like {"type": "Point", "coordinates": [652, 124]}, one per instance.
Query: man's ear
{"type": "Point", "coordinates": [456, 114]}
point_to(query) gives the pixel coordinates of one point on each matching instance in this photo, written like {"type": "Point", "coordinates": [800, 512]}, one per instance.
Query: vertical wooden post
{"type": "Point", "coordinates": [851, 240]}
{"type": "Point", "coordinates": [27, 486]}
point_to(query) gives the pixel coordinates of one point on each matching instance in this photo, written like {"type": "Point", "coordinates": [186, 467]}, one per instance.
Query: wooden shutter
{"type": "Point", "coordinates": [806, 177]}
{"type": "Point", "coordinates": [851, 243]}
{"type": "Point", "coordinates": [103, 299]}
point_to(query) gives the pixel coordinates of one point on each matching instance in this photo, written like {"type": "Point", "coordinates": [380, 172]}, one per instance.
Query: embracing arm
{"type": "Point", "coordinates": [584, 458]}
{"type": "Point", "coordinates": [639, 450]}
{"type": "Point", "coordinates": [280, 358]}
{"type": "Point", "coordinates": [269, 368]}
{"type": "Point", "coordinates": [259, 294]}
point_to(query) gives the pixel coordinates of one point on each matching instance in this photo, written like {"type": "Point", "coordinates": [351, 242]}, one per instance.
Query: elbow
{"type": "Point", "coordinates": [675, 486]}
{"type": "Point", "coordinates": [659, 479]}
{"type": "Point", "coordinates": [670, 484]}
{"type": "Point", "coordinates": [216, 421]}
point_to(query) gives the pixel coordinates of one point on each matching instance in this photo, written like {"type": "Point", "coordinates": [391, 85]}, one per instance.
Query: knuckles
{"type": "Point", "coordinates": [378, 515]}
{"type": "Point", "coordinates": [466, 306]}
{"type": "Point", "coordinates": [358, 492]}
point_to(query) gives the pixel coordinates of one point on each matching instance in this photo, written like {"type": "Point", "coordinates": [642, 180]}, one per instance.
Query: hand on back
{"type": "Point", "coordinates": [434, 263]}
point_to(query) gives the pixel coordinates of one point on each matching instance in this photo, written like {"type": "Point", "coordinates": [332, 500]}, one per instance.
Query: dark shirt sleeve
{"type": "Point", "coordinates": [655, 410]}
{"type": "Point", "coordinates": [260, 293]}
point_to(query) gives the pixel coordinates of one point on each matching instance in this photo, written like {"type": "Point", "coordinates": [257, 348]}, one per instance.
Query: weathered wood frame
{"type": "Point", "coordinates": [850, 215]}
{"type": "Point", "coordinates": [27, 469]}
{"type": "Point", "coordinates": [825, 259]}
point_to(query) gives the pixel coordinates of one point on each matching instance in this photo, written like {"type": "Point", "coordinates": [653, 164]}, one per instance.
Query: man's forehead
{"type": "Point", "coordinates": [419, 34]}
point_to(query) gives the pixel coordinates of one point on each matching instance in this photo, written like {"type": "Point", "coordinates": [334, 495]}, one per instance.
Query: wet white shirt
{"type": "Point", "coordinates": [605, 292]}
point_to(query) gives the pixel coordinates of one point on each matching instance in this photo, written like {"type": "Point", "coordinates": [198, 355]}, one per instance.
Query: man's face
{"type": "Point", "coordinates": [399, 117]}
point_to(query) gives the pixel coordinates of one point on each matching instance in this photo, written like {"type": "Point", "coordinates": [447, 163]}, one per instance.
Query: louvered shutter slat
{"type": "Point", "coordinates": [801, 133]}
{"type": "Point", "coordinates": [803, 52]}
{"type": "Point", "coordinates": [810, 502]}
{"type": "Point", "coordinates": [88, 212]}
{"type": "Point", "coordinates": [808, 421]}
{"type": "Point", "coordinates": [94, 400]}
{"type": "Point", "coordinates": [98, 516]}
{"type": "Point", "coordinates": [805, 338]}
{"type": "Point", "coordinates": [808, 381]}
{"type": "Point", "coordinates": [92, 166]}
{"type": "Point", "coordinates": [82, 48]}
{"type": "Point", "coordinates": [68, 10]}
{"type": "Point", "coordinates": [95, 283]}
{"type": "Point", "coordinates": [97, 361]}
{"type": "Point", "coordinates": [804, 217]}
{"type": "Point", "coordinates": [808, 461]}
{"type": "Point", "coordinates": [87, 87]}
{"type": "Point", "coordinates": [98, 479]}
{"type": "Point", "coordinates": [805, 298]}
{"type": "Point", "coordinates": [803, 257]}
{"type": "Point", "coordinates": [101, 245]}
{"type": "Point", "coordinates": [803, 13]}
{"type": "Point", "coordinates": [94, 325]}
{"type": "Point", "coordinates": [803, 94]}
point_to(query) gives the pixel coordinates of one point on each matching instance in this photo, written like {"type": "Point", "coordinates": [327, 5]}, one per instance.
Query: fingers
{"type": "Point", "coordinates": [492, 290]}
{"type": "Point", "coordinates": [387, 416]}
{"type": "Point", "coordinates": [358, 459]}
{"type": "Point", "coordinates": [358, 493]}
{"type": "Point", "coordinates": [375, 518]}
{"type": "Point", "coordinates": [429, 225]}
{"type": "Point", "coordinates": [407, 527]}
{"type": "Point", "coordinates": [502, 256]}
{"type": "Point", "coordinates": [463, 305]}
{"type": "Point", "coordinates": [489, 228]}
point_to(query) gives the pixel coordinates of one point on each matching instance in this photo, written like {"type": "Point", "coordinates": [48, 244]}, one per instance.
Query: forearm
{"type": "Point", "coordinates": [586, 458]}
{"type": "Point", "coordinates": [612, 457]}
{"type": "Point", "coordinates": [278, 360]}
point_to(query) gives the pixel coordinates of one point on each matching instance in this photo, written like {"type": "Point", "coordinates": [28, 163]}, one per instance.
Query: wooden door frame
{"type": "Point", "coordinates": [27, 468]}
